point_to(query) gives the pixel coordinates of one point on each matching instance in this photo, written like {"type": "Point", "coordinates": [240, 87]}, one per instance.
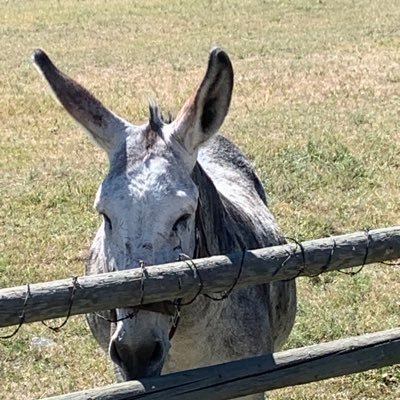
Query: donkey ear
{"type": "Point", "coordinates": [203, 114]}
{"type": "Point", "coordinates": [104, 127]}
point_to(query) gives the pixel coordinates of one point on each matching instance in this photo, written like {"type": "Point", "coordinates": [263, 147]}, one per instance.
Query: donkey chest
{"type": "Point", "coordinates": [229, 331]}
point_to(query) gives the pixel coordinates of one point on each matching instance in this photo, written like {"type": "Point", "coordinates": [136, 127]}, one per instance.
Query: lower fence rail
{"type": "Point", "coordinates": [259, 374]}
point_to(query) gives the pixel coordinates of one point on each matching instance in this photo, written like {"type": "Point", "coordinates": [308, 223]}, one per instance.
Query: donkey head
{"type": "Point", "coordinates": [148, 199]}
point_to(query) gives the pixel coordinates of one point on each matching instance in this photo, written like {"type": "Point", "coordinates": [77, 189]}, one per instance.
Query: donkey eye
{"type": "Point", "coordinates": [107, 221]}
{"type": "Point", "coordinates": [181, 220]}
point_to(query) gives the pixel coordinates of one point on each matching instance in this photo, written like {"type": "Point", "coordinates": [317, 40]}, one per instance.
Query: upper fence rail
{"type": "Point", "coordinates": [183, 279]}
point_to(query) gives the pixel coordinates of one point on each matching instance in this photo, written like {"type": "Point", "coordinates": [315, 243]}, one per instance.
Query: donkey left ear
{"type": "Point", "coordinates": [203, 114]}
{"type": "Point", "coordinates": [102, 125]}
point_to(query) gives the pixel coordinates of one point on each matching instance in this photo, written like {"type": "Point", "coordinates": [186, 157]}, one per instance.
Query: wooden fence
{"type": "Point", "coordinates": [158, 283]}
{"type": "Point", "coordinates": [259, 374]}
{"type": "Point", "coordinates": [180, 279]}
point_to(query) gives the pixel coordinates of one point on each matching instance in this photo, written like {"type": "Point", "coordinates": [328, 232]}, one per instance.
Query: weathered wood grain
{"type": "Point", "coordinates": [258, 374]}
{"type": "Point", "coordinates": [180, 279]}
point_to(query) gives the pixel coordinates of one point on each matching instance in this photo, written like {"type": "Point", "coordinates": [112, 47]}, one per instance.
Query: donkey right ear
{"type": "Point", "coordinates": [203, 114]}
{"type": "Point", "coordinates": [103, 126]}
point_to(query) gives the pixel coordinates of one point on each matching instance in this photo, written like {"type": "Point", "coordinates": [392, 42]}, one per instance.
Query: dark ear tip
{"type": "Point", "coordinates": [40, 58]}
{"type": "Point", "coordinates": [220, 55]}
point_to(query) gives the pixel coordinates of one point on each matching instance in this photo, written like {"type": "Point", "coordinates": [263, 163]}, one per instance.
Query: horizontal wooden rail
{"type": "Point", "coordinates": [259, 374]}
{"type": "Point", "coordinates": [181, 279]}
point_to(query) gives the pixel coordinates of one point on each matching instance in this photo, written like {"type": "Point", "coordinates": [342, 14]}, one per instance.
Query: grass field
{"type": "Point", "coordinates": [316, 106]}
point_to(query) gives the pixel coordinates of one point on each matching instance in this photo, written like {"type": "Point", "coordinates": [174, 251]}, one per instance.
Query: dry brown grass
{"type": "Point", "coordinates": [316, 107]}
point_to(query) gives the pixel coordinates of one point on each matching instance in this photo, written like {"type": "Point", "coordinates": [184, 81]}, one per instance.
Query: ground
{"type": "Point", "coordinates": [316, 107]}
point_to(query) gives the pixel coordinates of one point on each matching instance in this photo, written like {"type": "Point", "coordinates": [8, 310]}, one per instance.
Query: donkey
{"type": "Point", "coordinates": [178, 188]}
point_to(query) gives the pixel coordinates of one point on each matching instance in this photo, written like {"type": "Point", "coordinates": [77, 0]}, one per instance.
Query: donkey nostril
{"type": "Point", "coordinates": [157, 352]}
{"type": "Point", "coordinates": [147, 246]}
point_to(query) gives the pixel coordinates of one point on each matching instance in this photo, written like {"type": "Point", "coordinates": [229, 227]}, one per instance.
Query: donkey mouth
{"type": "Point", "coordinates": [132, 375]}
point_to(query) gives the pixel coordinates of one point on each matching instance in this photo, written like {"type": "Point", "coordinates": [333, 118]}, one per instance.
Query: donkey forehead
{"type": "Point", "coordinates": [146, 169]}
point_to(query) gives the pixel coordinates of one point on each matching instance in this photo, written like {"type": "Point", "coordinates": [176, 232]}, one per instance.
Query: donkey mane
{"type": "Point", "coordinates": [226, 225]}
{"type": "Point", "coordinates": [156, 118]}
{"type": "Point", "coordinates": [156, 122]}
{"type": "Point", "coordinates": [214, 224]}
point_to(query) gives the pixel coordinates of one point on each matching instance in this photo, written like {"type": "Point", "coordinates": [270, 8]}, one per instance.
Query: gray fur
{"type": "Point", "coordinates": [166, 195]}
{"type": "Point", "coordinates": [251, 321]}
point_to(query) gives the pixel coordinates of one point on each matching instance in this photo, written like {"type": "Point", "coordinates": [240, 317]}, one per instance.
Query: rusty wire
{"type": "Point", "coordinates": [303, 255]}
{"type": "Point", "coordinates": [189, 261]}
{"type": "Point", "coordinates": [130, 315]}
{"type": "Point", "coordinates": [353, 273]}
{"type": "Point", "coordinates": [391, 264]}
{"type": "Point", "coordinates": [328, 262]}
{"type": "Point", "coordinates": [178, 303]}
{"type": "Point", "coordinates": [22, 315]}
{"type": "Point", "coordinates": [229, 291]}
{"type": "Point", "coordinates": [70, 304]}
